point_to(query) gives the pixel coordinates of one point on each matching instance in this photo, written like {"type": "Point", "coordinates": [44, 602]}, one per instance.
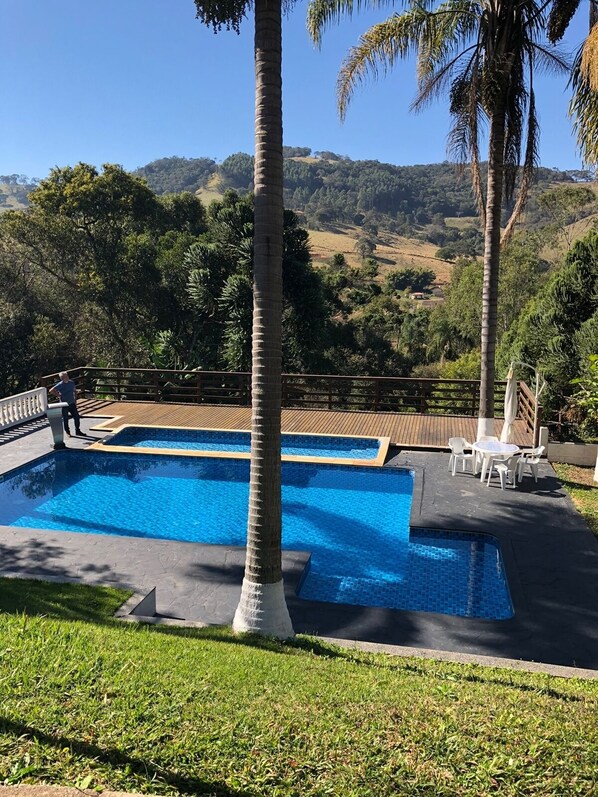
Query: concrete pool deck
{"type": "Point", "coordinates": [550, 557]}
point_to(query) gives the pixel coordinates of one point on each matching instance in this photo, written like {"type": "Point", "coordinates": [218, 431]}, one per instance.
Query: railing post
{"type": "Point", "coordinates": [118, 394]}
{"type": "Point", "coordinates": [423, 404]}
{"type": "Point", "coordinates": [199, 387]}
{"type": "Point", "coordinates": [377, 395]}
{"type": "Point", "coordinates": [156, 386]}
{"type": "Point", "coordinates": [537, 423]}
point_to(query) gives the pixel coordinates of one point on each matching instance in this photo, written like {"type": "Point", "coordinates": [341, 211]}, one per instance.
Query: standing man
{"type": "Point", "coordinates": [66, 391]}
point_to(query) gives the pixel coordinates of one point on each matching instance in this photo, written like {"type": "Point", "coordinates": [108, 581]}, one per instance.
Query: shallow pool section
{"type": "Point", "coordinates": [367, 450]}
{"type": "Point", "coordinates": [353, 520]}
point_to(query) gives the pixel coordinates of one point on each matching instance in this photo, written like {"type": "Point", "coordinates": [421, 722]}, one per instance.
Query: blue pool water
{"type": "Point", "coordinates": [302, 445]}
{"type": "Point", "coordinates": [354, 520]}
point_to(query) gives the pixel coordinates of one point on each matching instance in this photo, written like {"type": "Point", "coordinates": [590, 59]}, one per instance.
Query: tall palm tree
{"type": "Point", "coordinates": [262, 608]}
{"type": "Point", "coordinates": [584, 78]}
{"type": "Point", "coordinates": [483, 54]}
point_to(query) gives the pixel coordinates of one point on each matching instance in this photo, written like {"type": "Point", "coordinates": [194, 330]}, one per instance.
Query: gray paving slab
{"type": "Point", "coordinates": [550, 557]}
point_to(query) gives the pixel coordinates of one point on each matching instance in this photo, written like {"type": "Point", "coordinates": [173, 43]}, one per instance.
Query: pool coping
{"type": "Point", "coordinates": [378, 461]}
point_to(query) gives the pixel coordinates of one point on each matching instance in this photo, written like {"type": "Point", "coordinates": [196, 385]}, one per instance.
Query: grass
{"type": "Point", "coordinates": [394, 252]}
{"type": "Point", "coordinates": [179, 711]}
{"type": "Point", "coordinates": [580, 484]}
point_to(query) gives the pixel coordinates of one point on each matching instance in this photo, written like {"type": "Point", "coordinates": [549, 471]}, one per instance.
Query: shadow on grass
{"type": "Point", "coordinates": [468, 677]}
{"type": "Point", "coordinates": [117, 759]}
{"type": "Point", "coordinates": [64, 601]}
{"type": "Point", "coordinates": [366, 659]}
{"type": "Point", "coordinates": [574, 485]}
{"type": "Point", "coordinates": [96, 604]}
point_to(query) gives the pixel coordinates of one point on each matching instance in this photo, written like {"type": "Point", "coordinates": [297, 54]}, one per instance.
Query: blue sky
{"type": "Point", "coordinates": [128, 81]}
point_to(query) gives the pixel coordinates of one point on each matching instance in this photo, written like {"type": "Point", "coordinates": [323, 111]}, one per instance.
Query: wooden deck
{"type": "Point", "coordinates": [408, 430]}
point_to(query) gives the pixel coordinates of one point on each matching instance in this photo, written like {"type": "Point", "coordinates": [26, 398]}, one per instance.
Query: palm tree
{"type": "Point", "coordinates": [262, 608]}
{"type": "Point", "coordinates": [483, 54]}
{"type": "Point", "coordinates": [584, 78]}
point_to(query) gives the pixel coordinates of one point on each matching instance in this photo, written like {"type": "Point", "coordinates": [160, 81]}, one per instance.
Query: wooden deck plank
{"type": "Point", "coordinates": [409, 430]}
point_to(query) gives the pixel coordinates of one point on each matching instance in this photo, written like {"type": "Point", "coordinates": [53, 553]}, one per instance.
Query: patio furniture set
{"type": "Point", "coordinates": [489, 456]}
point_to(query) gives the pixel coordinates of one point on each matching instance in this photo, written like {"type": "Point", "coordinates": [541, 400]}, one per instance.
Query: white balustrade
{"type": "Point", "coordinates": [23, 407]}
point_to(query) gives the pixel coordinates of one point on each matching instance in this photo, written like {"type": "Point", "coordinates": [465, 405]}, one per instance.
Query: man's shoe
{"type": "Point", "coordinates": [78, 432]}
{"type": "Point", "coordinates": [67, 433]}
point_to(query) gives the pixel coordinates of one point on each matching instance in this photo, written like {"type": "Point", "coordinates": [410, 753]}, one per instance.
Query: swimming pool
{"type": "Point", "coordinates": [353, 520]}
{"type": "Point", "coordinates": [223, 442]}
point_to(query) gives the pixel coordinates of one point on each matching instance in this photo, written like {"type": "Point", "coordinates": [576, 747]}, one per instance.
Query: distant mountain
{"type": "Point", "coordinates": [332, 189]}
{"type": "Point", "coordinates": [14, 189]}
{"type": "Point", "coordinates": [175, 175]}
{"type": "Point", "coordinates": [328, 190]}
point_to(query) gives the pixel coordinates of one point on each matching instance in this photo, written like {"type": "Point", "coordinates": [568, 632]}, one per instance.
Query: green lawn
{"type": "Point", "coordinates": [580, 484]}
{"type": "Point", "coordinates": [95, 703]}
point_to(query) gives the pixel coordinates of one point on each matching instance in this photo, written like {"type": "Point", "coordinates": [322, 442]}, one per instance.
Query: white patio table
{"type": "Point", "coordinates": [491, 449]}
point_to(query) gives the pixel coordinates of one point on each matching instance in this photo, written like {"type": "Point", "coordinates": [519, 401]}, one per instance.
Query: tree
{"type": "Point", "coordinates": [90, 238]}
{"type": "Point", "coordinates": [484, 54]}
{"type": "Point", "coordinates": [557, 329]}
{"type": "Point", "coordinates": [566, 205]}
{"type": "Point", "coordinates": [365, 247]}
{"type": "Point", "coordinates": [417, 279]}
{"type": "Point", "coordinates": [262, 607]}
{"type": "Point", "coordinates": [219, 269]}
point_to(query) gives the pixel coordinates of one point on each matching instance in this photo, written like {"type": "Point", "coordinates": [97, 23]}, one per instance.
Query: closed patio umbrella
{"type": "Point", "coordinates": [510, 406]}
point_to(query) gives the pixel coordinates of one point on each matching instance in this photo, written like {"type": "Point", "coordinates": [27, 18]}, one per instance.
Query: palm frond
{"type": "Point", "coordinates": [379, 49]}
{"type": "Point", "coordinates": [584, 111]}
{"type": "Point", "coordinates": [549, 62]}
{"type": "Point", "coordinates": [529, 165]}
{"type": "Point", "coordinates": [463, 139]}
{"type": "Point", "coordinates": [516, 104]}
{"type": "Point", "coordinates": [321, 13]}
{"type": "Point", "coordinates": [433, 84]}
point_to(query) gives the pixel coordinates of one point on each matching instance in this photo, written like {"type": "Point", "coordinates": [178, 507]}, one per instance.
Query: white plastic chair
{"type": "Point", "coordinates": [507, 470]}
{"type": "Point", "coordinates": [458, 446]}
{"type": "Point", "coordinates": [530, 458]}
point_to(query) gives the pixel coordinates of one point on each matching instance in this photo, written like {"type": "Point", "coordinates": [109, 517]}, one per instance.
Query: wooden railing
{"type": "Point", "coordinates": [313, 391]}
{"type": "Point", "coordinates": [23, 407]}
{"type": "Point", "coordinates": [530, 411]}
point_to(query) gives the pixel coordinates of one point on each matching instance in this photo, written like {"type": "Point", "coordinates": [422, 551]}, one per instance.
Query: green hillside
{"type": "Point", "coordinates": [328, 188]}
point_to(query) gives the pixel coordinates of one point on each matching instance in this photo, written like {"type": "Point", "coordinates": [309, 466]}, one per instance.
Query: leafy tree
{"type": "Point", "coordinates": [463, 304]}
{"type": "Point", "coordinates": [338, 261]}
{"type": "Point", "coordinates": [565, 205]}
{"type": "Point", "coordinates": [183, 213]}
{"type": "Point", "coordinates": [585, 400]}
{"type": "Point", "coordinates": [523, 272]}
{"type": "Point", "coordinates": [90, 238]}
{"type": "Point", "coordinates": [413, 337]}
{"type": "Point", "coordinates": [368, 269]}
{"type": "Point", "coordinates": [414, 278]}
{"type": "Point", "coordinates": [219, 269]}
{"type": "Point", "coordinates": [467, 366]}
{"type": "Point", "coordinates": [549, 331]}
{"type": "Point", "coordinates": [365, 247]}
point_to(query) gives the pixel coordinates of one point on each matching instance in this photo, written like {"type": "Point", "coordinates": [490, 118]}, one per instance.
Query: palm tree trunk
{"type": "Point", "coordinates": [491, 268]}
{"type": "Point", "coordinates": [262, 608]}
